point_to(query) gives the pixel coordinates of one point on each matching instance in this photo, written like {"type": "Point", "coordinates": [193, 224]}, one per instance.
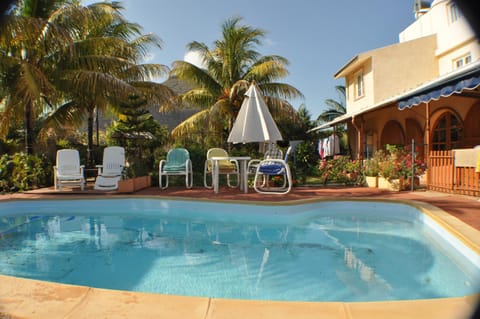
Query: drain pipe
{"type": "Point", "coordinates": [359, 139]}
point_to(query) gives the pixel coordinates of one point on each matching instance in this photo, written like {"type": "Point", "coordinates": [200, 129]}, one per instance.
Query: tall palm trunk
{"type": "Point", "coordinates": [28, 129]}
{"type": "Point", "coordinates": [90, 121]}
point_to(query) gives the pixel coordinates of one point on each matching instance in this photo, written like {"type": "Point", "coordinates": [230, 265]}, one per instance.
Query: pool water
{"type": "Point", "coordinates": [326, 251]}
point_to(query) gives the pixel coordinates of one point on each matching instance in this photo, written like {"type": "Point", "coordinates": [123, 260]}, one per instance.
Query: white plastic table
{"type": "Point", "coordinates": [242, 163]}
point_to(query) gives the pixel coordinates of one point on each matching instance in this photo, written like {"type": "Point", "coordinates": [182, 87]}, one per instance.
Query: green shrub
{"type": "Point", "coordinates": [304, 162]}
{"type": "Point", "coordinates": [21, 172]}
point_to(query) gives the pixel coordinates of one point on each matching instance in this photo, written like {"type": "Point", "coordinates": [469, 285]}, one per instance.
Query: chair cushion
{"type": "Point", "coordinates": [174, 167]}
{"type": "Point", "coordinates": [223, 166]}
{"type": "Point", "coordinates": [271, 169]}
{"type": "Point", "coordinates": [227, 166]}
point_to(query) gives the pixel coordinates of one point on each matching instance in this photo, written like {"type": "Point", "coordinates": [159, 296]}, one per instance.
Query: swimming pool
{"type": "Point", "coordinates": [326, 251]}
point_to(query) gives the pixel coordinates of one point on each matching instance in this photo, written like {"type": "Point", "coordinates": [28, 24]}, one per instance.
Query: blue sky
{"type": "Point", "coordinates": [318, 37]}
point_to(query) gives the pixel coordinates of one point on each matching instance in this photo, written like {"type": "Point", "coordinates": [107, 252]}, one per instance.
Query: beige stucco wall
{"type": "Point", "coordinates": [354, 103]}
{"type": "Point", "coordinates": [404, 66]}
{"type": "Point", "coordinates": [450, 35]}
{"type": "Point", "coordinates": [445, 62]}
{"type": "Point", "coordinates": [390, 71]}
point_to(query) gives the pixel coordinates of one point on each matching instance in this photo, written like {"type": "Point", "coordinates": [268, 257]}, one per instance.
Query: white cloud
{"type": "Point", "coordinates": [149, 57]}
{"type": "Point", "coordinates": [194, 58]}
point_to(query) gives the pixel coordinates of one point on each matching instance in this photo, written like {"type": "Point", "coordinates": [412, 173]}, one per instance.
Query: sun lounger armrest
{"type": "Point", "coordinates": [99, 168]}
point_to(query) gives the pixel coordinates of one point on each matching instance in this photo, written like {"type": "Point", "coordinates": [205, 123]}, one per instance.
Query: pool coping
{"type": "Point", "coordinates": [26, 298]}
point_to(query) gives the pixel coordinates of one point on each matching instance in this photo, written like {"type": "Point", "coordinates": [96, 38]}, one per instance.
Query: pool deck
{"type": "Point", "coordinates": [23, 298]}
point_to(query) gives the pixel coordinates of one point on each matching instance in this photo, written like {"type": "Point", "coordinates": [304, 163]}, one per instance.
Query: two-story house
{"type": "Point", "coordinates": [425, 88]}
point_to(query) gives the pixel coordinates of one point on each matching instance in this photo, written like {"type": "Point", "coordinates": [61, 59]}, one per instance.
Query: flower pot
{"type": "Point", "coordinates": [134, 184]}
{"type": "Point", "coordinates": [392, 184]}
{"type": "Point", "coordinates": [371, 181]}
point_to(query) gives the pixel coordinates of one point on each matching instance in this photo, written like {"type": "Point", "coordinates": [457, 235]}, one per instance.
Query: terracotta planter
{"type": "Point", "coordinates": [134, 184]}
{"type": "Point", "coordinates": [371, 181]}
{"type": "Point", "coordinates": [392, 184]}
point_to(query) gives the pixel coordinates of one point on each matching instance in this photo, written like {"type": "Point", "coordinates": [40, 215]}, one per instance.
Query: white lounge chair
{"type": "Point", "coordinates": [68, 170]}
{"type": "Point", "coordinates": [178, 162]}
{"type": "Point", "coordinates": [271, 168]}
{"type": "Point", "coordinates": [111, 170]}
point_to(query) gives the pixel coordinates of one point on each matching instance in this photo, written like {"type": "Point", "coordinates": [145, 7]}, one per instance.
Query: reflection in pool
{"type": "Point", "coordinates": [325, 251]}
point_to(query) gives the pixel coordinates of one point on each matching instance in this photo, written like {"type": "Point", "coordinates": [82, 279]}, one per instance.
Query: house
{"type": "Point", "coordinates": [424, 89]}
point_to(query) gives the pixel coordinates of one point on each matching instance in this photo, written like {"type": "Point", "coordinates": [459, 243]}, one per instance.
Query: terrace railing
{"type": "Point", "coordinates": [453, 172]}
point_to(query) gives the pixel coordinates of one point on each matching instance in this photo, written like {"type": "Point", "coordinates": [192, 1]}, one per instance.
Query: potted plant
{"type": "Point", "coordinates": [371, 168]}
{"type": "Point", "coordinates": [136, 179]}
{"type": "Point", "coordinates": [396, 170]}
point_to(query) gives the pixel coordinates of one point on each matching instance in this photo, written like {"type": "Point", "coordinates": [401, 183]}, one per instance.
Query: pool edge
{"type": "Point", "coordinates": [24, 298]}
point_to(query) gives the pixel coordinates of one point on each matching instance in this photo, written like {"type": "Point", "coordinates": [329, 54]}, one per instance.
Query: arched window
{"type": "Point", "coordinates": [447, 132]}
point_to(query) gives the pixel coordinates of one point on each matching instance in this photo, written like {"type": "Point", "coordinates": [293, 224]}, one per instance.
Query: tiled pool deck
{"type": "Point", "coordinates": [22, 298]}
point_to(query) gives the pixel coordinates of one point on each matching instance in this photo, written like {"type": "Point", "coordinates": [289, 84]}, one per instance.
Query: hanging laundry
{"type": "Point", "coordinates": [334, 144]}
{"type": "Point", "coordinates": [321, 150]}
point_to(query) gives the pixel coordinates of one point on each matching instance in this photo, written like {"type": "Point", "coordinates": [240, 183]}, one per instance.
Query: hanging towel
{"type": "Point", "coordinates": [466, 157]}
{"type": "Point", "coordinates": [321, 150]}
{"type": "Point", "coordinates": [334, 144]}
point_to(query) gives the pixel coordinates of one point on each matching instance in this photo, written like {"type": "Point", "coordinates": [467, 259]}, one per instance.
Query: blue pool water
{"type": "Point", "coordinates": [325, 251]}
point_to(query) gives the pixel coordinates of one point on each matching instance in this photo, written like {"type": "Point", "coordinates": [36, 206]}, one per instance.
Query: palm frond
{"type": "Point", "coordinates": [155, 93]}
{"type": "Point", "coordinates": [191, 123]}
{"type": "Point", "coordinates": [280, 90]}
{"type": "Point", "coordinates": [198, 97]}
{"type": "Point", "coordinates": [198, 78]}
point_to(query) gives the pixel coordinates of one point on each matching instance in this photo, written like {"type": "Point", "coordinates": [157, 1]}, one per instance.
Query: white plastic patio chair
{"type": "Point", "coordinates": [177, 163]}
{"type": "Point", "coordinates": [68, 170]}
{"type": "Point", "coordinates": [272, 153]}
{"type": "Point", "coordinates": [271, 168]}
{"type": "Point", "coordinates": [225, 167]}
{"type": "Point", "coordinates": [111, 170]}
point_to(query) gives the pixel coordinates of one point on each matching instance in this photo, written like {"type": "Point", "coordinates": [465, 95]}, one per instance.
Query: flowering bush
{"type": "Point", "coordinates": [278, 181]}
{"type": "Point", "coordinates": [371, 166]}
{"type": "Point", "coordinates": [340, 169]}
{"type": "Point", "coordinates": [398, 163]}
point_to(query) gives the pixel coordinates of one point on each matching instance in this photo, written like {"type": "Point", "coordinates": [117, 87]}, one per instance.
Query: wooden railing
{"type": "Point", "coordinates": [443, 176]}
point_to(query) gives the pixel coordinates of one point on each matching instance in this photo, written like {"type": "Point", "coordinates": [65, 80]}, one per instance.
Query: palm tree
{"type": "Point", "coordinates": [335, 108]}
{"type": "Point", "coordinates": [71, 63]}
{"type": "Point", "coordinates": [231, 65]}
{"type": "Point", "coordinates": [30, 47]}
{"type": "Point", "coordinates": [105, 69]}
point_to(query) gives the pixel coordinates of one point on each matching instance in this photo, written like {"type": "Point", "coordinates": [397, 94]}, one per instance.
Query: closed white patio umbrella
{"type": "Point", "coordinates": [254, 122]}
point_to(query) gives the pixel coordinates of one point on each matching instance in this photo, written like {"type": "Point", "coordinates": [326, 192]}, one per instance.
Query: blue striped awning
{"type": "Point", "coordinates": [441, 91]}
